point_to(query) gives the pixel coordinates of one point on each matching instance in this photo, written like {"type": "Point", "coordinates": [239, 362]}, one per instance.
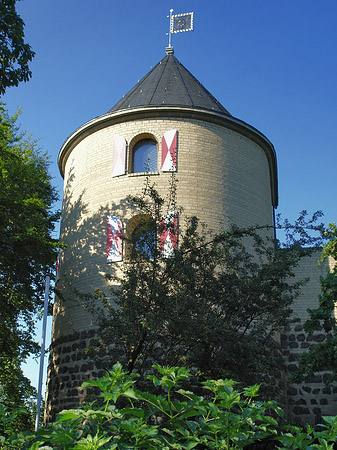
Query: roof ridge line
{"type": "Point", "coordinates": [161, 75]}
{"type": "Point", "coordinates": [182, 78]}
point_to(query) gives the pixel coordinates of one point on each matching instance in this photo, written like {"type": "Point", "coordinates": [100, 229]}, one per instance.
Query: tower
{"type": "Point", "coordinates": [226, 172]}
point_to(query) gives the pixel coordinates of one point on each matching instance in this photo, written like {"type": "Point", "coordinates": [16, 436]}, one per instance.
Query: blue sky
{"type": "Point", "coordinates": [271, 63]}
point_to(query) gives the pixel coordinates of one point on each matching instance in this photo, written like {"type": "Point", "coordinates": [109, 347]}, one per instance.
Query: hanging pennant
{"type": "Point", "coordinates": [114, 243]}
{"type": "Point", "coordinates": [119, 156]}
{"type": "Point", "coordinates": [168, 241]}
{"type": "Point", "coordinates": [169, 151]}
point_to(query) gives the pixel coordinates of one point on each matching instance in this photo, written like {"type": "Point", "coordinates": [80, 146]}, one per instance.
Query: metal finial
{"type": "Point", "coordinates": [170, 32]}
{"type": "Point", "coordinates": [178, 24]}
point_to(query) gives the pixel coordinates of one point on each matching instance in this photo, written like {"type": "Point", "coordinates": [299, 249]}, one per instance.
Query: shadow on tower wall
{"type": "Point", "coordinates": [83, 269]}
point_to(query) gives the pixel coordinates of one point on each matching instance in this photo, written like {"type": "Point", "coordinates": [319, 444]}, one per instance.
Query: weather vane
{"type": "Point", "coordinates": [179, 23]}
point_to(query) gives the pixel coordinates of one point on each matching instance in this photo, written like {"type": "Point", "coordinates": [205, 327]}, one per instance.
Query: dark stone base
{"type": "Point", "coordinates": [69, 367]}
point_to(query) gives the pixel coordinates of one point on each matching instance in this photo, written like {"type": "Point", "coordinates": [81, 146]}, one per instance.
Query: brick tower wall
{"type": "Point", "coordinates": [222, 177]}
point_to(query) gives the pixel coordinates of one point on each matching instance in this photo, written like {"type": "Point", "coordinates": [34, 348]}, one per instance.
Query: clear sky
{"type": "Point", "coordinates": [271, 63]}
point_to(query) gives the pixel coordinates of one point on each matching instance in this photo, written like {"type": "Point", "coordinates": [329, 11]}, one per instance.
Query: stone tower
{"type": "Point", "coordinates": [226, 171]}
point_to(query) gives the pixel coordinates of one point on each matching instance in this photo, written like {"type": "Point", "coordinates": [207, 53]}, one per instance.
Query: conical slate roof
{"type": "Point", "coordinates": [169, 83]}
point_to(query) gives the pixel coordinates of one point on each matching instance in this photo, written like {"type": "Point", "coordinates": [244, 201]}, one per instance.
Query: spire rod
{"type": "Point", "coordinates": [170, 32]}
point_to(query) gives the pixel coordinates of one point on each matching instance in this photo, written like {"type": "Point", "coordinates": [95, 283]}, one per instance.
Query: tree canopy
{"type": "Point", "coordinates": [27, 249]}
{"type": "Point", "coordinates": [215, 306]}
{"type": "Point", "coordinates": [15, 54]}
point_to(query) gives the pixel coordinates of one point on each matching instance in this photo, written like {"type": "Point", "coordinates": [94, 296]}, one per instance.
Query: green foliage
{"type": "Point", "coordinates": [15, 388]}
{"type": "Point", "coordinates": [222, 418]}
{"type": "Point", "coordinates": [323, 438]}
{"type": "Point", "coordinates": [330, 247]}
{"type": "Point", "coordinates": [215, 306]}
{"type": "Point", "coordinates": [304, 232]}
{"type": "Point", "coordinates": [323, 355]}
{"type": "Point", "coordinates": [123, 417]}
{"type": "Point", "coordinates": [15, 54]}
{"type": "Point", "coordinates": [27, 251]}
{"type": "Point", "coordinates": [13, 426]}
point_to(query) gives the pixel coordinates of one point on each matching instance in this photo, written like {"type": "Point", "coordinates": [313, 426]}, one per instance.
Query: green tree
{"type": "Point", "coordinates": [215, 306]}
{"type": "Point", "coordinates": [15, 54]}
{"type": "Point", "coordinates": [27, 249]}
{"type": "Point", "coordinates": [324, 355]}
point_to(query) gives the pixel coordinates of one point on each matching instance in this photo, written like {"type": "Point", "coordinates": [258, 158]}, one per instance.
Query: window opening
{"type": "Point", "coordinates": [142, 234]}
{"type": "Point", "coordinates": [145, 155]}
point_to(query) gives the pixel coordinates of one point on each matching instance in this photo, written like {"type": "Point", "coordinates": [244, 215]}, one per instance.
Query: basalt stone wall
{"type": "Point", "coordinates": [70, 364]}
{"type": "Point", "coordinates": [69, 367]}
{"type": "Point", "coordinates": [308, 401]}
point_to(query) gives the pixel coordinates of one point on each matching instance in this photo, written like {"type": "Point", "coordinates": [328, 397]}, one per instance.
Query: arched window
{"type": "Point", "coordinates": [142, 236]}
{"type": "Point", "coordinates": [145, 156]}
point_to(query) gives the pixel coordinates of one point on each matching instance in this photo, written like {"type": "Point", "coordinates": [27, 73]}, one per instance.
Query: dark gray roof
{"type": "Point", "coordinates": [169, 83]}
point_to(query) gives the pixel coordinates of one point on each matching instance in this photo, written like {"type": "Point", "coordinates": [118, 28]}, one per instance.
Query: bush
{"type": "Point", "coordinates": [124, 417]}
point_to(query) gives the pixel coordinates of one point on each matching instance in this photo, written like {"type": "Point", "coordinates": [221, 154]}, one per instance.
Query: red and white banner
{"type": "Point", "coordinates": [169, 151]}
{"type": "Point", "coordinates": [114, 243]}
{"type": "Point", "coordinates": [168, 241]}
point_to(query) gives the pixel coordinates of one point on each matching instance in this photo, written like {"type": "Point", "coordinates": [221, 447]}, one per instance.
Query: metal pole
{"type": "Point", "coordinates": [44, 326]}
{"type": "Point", "coordinates": [171, 11]}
